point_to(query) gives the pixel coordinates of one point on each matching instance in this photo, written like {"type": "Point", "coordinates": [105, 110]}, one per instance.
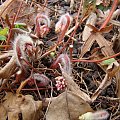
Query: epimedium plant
{"type": "Point", "coordinates": [24, 50]}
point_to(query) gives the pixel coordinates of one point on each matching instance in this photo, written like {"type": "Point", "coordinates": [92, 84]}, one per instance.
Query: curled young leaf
{"type": "Point", "coordinates": [40, 79]}
{"type": "Point", "coordinates": [65, 62]}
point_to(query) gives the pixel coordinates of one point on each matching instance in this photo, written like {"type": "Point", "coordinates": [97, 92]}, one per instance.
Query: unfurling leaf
{"type": "Point", "coordinates": [40, 79]}
{"type": "Point", "coordinates": [65, 63]}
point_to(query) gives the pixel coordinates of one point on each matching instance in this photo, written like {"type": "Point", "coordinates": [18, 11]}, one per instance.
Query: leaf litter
{"type": "Point", "coordinates": [58, 65]}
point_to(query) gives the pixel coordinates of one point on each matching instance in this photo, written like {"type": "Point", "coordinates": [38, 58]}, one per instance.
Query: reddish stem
{"type": "Point", "coordinates": [65, 44]}
{"type": "Point", "coordinates": [71, 51]}
{"type": "Point", "coordinates": [96, 61]}
{"type": "Point", "coordinates": [34, 69]}
{"type": "Point", "coordinates": [12, 25]}
{"type": "Point", "coordinates": [115, 2]}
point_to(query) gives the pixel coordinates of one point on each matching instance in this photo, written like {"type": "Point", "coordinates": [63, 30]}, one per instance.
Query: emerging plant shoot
{"type": "Point", "coordinates": [41, 80]}
{"type": "Point", "coordinates": [64, 60]}
{"type": "Point", "coordinates": [23, 49]}
{"type": "Point", "coordinates": [62, 25]}
{"type": "Point", "coordinates": [42, 25]}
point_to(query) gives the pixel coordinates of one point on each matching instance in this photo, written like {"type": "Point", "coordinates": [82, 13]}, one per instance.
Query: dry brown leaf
{"type": "Point", "coordinates": [87, 31]}
{"type": "Point", "coordinates": [104, 14]}
{"type": "Point", "coordinates": [87, 45]}
{"type": "Point", "coordinates": [118, 84]}
{"type": "Point", "coordinates": [3, 7]}
{"type": "Point", "coordinates": [72, 86]}
{"type": "Point", "coordinates": [14, 106]}
{"type": "Point", "coordinates": [102, 42]}
{"type": "Point", "coordinates": [106, 82]}
{"type": "Point", "coordinates": [67, 106]}
{"type": "Point", "coordinates": [26, 15]}
{"type": "Point", "coordinates": [8, 69]}
{"type": "Point", "coordinates": [111, 71]}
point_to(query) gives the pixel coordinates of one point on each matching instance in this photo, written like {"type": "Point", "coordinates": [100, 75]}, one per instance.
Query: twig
{"type": "Point", "coordinates": [96, 61]}
{"type": "Point", "coordinates": [12, 25]}
{"type": "Point", "coordinates": [29, 89]}
{"type": "Point", "coordinates": [5, 55]}
{"type": "Point", "coordinates": [115, 2]}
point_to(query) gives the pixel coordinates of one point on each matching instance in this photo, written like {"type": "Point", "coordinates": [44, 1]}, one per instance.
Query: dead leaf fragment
{"type": "Point", "coordinates": [15, 106]}
{"type": "Point", "coordinates": [26, 15]}
{"type": "Point", "coordinates": [72, 86]}
{"type": "Point", "coordinates": [67, 106]}
{"type": "Point", "coordinates": [111, 71]}
{"type": "Point", "coordinates": [87, 31]}
{"type": "Point", "coordinates": [8, 69]}
{"type": "Point", "coordinates": [102, 42]}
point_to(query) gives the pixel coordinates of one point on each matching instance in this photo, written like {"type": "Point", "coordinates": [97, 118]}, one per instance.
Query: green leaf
{"type": "Point", "coordinates": [2, 38]}
{"type": "Point", "coordinates": [20, 25]}
{"type": "Point", "coordinates": [4, 31]}
{"type": "Point", "coordinates": [108, 62]}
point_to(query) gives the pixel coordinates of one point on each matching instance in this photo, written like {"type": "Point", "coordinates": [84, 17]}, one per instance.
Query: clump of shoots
{"type": "Point", "coordinates": [64, 60]}
{"type": "Point", "coordinates": [98, 115]}
{"type": "Point", "coordinates": [23, 48]}
{"type": "Point", "coordinates": [42, 25]}
{"type": "Point", "coordinates": [62, 25]}
{"type": "Point", "coordinates": [60, 83]}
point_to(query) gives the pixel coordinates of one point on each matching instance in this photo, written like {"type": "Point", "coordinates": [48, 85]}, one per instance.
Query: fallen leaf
{"type": "Point", "coordinates": [67, 106]}
{"type": "Point", "coordinates": [111, 71]}
{"type": "Point", "coordinates": [117, 76]}
{"type": "Point", "coordinates": [10, 8]}
{"type": "Point", "coordinates": [8, 69]}
{"type": "Point", "coordinates": [87, 30]}
{"type": "Point", "coordinates": [102, 42]}
{"type": "Point", "coordinates": [72, 86]}
{"type": "Point", "coordinates": [15, 107]}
